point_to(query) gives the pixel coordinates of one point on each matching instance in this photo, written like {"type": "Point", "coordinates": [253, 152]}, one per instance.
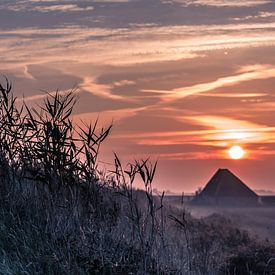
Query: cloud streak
{"type": "Point", "coordinates": [250, 73]}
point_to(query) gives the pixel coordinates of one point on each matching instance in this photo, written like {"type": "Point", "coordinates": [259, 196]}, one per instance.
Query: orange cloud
{"type": "Point", "coordinates": [247, 74]}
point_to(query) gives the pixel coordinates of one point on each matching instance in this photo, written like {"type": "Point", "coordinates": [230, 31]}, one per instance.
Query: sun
{"type": "Point", "coordinates": [236, 152]}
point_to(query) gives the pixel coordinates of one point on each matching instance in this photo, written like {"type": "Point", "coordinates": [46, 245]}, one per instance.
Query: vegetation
{"type": "Point", "coordinates": [59, 214]}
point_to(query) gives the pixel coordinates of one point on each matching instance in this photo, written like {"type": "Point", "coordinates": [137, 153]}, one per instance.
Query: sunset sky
{"type": "Point", "coordinates": [183, 80]}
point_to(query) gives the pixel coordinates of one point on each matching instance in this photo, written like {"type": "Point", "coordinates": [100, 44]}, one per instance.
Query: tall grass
{"type": "Point", "coordinates": [60, 215]}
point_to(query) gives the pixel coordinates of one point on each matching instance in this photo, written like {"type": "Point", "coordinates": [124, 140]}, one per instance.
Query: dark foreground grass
{"type": "Point", "coordinates": [60, 215]}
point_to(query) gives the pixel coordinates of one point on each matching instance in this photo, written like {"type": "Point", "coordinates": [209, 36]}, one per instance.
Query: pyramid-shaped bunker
{"type": "Point", "coordinates": [225, 188]}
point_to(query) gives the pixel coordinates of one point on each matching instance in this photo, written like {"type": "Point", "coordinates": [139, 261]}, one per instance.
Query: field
{"type": "Point", "coordinates": [259, 221]}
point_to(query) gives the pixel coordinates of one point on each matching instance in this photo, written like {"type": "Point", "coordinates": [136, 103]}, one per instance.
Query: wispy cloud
{"type": "Point", "coordinates": [63, 8]}
{"type": "Point", "coordinates": [247, 73]}
{"type": "Point", "coordinates": [226, 3]}
{"type": "Point", "coordinates": [46, 6]}
{"type": "Point", "coordinates": [89, 84]}
{"type": "Point", "coordinates": [110, 46]}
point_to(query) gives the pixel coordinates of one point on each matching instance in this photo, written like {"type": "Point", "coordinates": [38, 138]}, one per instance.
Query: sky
{"type": "Point", "coordinates": [182, 80]}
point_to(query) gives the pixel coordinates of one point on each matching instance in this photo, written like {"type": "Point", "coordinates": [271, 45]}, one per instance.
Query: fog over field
{"type": "Point", "coordinates": [260, 221]}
